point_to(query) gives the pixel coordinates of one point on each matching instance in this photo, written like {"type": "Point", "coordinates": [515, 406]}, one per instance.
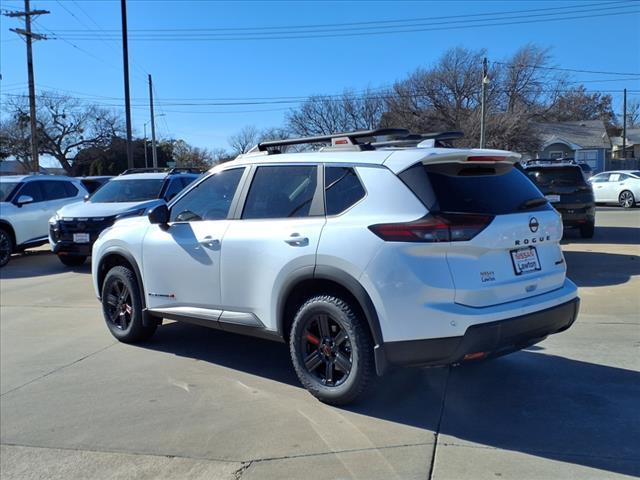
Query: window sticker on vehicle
{"type": "Point", "coordinates": [525, 260]}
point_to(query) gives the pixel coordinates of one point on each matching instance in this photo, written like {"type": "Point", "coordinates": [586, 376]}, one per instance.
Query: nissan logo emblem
{"type": "Point", "coordinates": [533, 224]}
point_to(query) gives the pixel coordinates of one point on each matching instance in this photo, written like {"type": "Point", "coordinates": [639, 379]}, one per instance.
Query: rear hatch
{"type": "Point", "coordinates": [503, 240]}
{"type": "Point", "coordinates": [564, 186]}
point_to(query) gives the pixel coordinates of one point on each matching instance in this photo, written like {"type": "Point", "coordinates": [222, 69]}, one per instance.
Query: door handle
{"type": "Point", "coordinates": [210, 242]}
{"type": "Point", "coordinates": [297, 241]}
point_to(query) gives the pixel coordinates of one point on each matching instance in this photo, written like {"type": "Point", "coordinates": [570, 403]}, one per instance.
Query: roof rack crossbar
{"type": "Point", "coordinates": [350, 137]}
{"type": "Point", "coordinates": [185, 170]}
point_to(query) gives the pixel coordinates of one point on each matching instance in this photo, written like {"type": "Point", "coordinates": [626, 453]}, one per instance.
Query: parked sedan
{"type": "Point", "coordinates": [620, 186]}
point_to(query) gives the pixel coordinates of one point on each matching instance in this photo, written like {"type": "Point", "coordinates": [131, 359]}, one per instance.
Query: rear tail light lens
{"type": "Point", "coordinates": [443, 227]}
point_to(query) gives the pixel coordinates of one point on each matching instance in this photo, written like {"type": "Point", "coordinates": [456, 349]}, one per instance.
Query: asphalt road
{"type": "Point", "coordinates": [197, 403]}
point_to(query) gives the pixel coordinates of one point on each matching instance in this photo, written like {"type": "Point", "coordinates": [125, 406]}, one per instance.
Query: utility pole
{"type": "Point", "coordinates": [624, 125]}
{"type": "Point", "coordinates": [29, 37]}
{"type": "Point", "coordinates": [483, 107]}
{"type": "Point", "coordinates": [127, 98]}
{"type": "Point", "coordinates": [154, 153]}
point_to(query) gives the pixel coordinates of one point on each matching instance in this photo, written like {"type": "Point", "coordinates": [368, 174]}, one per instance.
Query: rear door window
{"type": "Point", "coordinates": [342, 189]}
{"type": "Point", "coordinates": [466, 189]}
{"type": "Point", "coordinates": [285, 191]}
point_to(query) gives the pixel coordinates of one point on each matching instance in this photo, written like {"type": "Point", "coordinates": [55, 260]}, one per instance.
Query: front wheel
{"type": "Point", "coordinates": [626, 199]}
{"type": "Point", "coordinates": [6, 247]}
{"type": "Point", "coordinates": [122, 306]}
{"type": "Point", "coordinates": [332, 350]}
{"type": "Point", "coordinates": [72, 260]}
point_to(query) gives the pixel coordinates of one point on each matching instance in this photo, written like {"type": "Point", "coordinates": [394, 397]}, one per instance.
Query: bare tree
{"type": "Point", "coordinates": [323, 115]}
{"type": "Point", "coordinates": [633, 114]}
{"type": "Point", "coordinates": [65, 125]}
{"type": "Point", "coordinates": [244, 140]}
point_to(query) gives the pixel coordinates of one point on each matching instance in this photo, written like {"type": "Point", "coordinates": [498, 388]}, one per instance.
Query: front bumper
{"type": "Point", "coordinates": [70, 248]}
{"type": "Point", "coordinates": [484, 340]}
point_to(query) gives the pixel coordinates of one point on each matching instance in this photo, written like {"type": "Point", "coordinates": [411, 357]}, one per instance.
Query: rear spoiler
{"type": "Point", "coordinates": [400, 160]}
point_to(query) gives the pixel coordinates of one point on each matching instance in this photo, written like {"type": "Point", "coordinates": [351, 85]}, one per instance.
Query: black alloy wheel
{"type": "Point", "coordinates": [119, 308]}
{"type": "Point", "coordinates": [327, 350]}
{"type": "Point", "coordinates": [6, 247]}
{"type": "Point", "coordinates": [122, 307]}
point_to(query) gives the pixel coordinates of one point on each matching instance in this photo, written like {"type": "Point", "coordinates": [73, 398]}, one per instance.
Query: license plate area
{"type": "Point", "coordinates": [525, 260]}
{"type": "Point", "coordinates": [553, 198]}
{"type": "Point", "coordinates": [81, 238]}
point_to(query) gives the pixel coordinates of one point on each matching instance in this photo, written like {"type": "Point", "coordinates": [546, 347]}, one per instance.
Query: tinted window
{"type": "Point", "coordinates": [210, 200]}
{"type": "Point", "coordinates": [71, 189]}
{"type": "Point", "coordinates": [32, 189]}
{"type": "Point", "coordinates": [137, 190]}
{"type": "Point", "coordinates": [175, 186]}
{"type": "Point", "coordinates": [281, 192]}
{"type": "Point", "coordinates": [600, 178]}
{"type": "Point", "coordinates": [53, 190]}
{"type": "Point", "coordinates": [342, 189]}
{"type": "Point", "coordinates": [556, 176]}
{"type": "Point", "coordinates": [5, 190]}
{"type": "Point", "coordinates": [472, 189]}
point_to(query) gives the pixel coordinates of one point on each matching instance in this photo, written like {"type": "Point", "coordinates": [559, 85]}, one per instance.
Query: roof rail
{"type": "Point", "coordinates": [129, 171]}
{"type": "Point", "coordinates": [185, 170]}
{"type": "Point", "coordinates": [345, 140]}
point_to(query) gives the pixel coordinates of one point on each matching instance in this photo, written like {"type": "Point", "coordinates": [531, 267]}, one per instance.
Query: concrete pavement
{"type": "Point", "coordinates": [198, 403]}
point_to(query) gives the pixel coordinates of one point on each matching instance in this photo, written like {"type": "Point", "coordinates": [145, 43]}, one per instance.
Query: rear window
{"type": "Point", "coordinates": [479, 190]}
{"type": "Point", "coordinates": [556, 176]}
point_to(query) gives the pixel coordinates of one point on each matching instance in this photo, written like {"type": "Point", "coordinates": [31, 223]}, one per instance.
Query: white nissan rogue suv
{"type": "Point", "coordinates": [369, 253]}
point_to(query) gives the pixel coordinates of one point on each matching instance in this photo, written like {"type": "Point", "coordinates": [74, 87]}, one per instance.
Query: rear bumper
{"type": "Point", "coordinates": [492, 339]}
{"type": "Point", "coordinates": [576, 215]}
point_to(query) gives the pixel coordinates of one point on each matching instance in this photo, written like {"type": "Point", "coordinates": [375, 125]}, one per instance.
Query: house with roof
{"type": "Point", "coordinates": [632, 144]}
{"type": "Point", "coordinates": [585, 141]}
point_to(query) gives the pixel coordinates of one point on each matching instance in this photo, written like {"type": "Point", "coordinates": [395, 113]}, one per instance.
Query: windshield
{"type": "Point", "coordinates": [545, 177]}
{"type": "Point", "coordinates": [117, 191]}
{"type": "Point", "coordinates": [5, 190]}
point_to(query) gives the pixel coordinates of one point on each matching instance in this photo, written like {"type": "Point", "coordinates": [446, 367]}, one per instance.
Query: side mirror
{"type": "Point", "coordinates": [159, 215]}
{"type": "Point", "coordinates": [23, 200]}
{"type": "Point", "coordinates": [86, 197]}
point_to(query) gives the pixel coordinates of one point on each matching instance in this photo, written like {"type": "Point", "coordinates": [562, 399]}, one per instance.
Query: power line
{"type": "Point", "coordinates": [360, 34]}
{"type": "Point", "coordinates": [355, 24]}
{"type": "Point", "coordinates": [512, 65]}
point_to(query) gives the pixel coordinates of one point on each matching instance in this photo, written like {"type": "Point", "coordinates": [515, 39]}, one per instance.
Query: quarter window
{"type": "Point", "coordinates": [54, 190]}
{"type": "Point", "coordinates": [210, 200]}
{"type": "Point", "coordinates": [342, 189]}
{"type": "Point", "coordinates": [281, 192]}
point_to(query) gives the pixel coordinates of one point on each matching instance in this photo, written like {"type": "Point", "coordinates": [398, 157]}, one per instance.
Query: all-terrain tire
{"type": "Point", "coordinates": [122, 307]}
{"type": "Point", "coordinates": [343, 321]}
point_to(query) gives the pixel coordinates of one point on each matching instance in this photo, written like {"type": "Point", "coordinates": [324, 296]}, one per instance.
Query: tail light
{"type": "Point", "coordinates": [443, 227]}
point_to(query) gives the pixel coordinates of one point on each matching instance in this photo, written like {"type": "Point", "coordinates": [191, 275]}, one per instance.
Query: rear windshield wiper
{"type": "Point", "coordinates": [532, 202]}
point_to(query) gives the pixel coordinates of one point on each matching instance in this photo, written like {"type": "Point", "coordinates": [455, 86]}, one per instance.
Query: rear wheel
{"type": "Point", "coordinates": [626, 199]}
{"type": "Point", "coordinates": [331, 350]}
{"type": "Point", "coordinates": [122, 306]}
{"type": "Point", "coordinates": [72, 260]}
{"type": "Point", "coordinates": [587, 230]}
{"type": "Point", "coordinates": [6, 247]}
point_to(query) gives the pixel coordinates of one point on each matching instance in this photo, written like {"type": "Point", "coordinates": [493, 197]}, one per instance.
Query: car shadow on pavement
{"type": "Point", "coordinates": [604, 235]}
{"type": "Point", "coordinates": [597, 269]}
{"type": "Point", "coordinates": [37, 264]}
{"type": "Point", "coordinates": [531, 402]}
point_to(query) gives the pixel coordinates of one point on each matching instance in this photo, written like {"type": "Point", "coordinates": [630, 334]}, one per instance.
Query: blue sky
{"type": "Point", "coordinates": [233, 69]}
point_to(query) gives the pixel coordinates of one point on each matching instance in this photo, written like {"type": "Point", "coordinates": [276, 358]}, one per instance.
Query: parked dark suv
{"type": "Point", "coordinates": [566, 188]}
{"type": "Point", "coordinates": [75, 227]}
